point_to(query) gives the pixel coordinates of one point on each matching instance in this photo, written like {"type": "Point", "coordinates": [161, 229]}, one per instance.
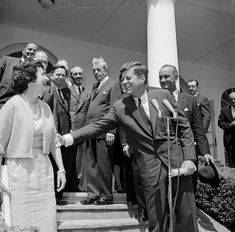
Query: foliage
{"type": "Point", "coordinates": [5, 228]}
{"type": "Point", "coordinates": [219, 202]}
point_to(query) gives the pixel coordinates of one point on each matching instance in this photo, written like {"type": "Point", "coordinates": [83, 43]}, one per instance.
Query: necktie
{"type": "Point", "coordinates": [96, 86]}
{"type": "Point", "coordinates": [144, 115]}
{"type": "Point", "coordinates": [61, 94]}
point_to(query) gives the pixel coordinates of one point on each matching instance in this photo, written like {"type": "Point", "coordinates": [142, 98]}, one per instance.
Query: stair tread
{"type": "Point", "coordinates": [98, 223]}
{"type": "Point", "coordinates": [79, 206]}
{"type": "Point", "coordinates": [84, 194]}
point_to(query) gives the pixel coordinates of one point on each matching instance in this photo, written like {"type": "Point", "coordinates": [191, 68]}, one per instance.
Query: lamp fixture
{"type": "Point", "coordinates": [46, 4]}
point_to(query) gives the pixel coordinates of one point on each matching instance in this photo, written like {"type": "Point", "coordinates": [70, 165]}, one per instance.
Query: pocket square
{"type": "Point", "coordinates": [104, 92]}
{"type": "Point", "coordinates": [186, 109]}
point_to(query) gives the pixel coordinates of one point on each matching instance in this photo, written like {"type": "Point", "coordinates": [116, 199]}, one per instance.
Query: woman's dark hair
{"type": "Point", "coordinates": [23, 74]}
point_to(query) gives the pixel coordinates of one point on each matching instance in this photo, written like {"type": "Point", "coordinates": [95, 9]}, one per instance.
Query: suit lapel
{"type": "Point", "coordinates": [182, 102]}
{"type": "Point", "coordinates": [75, 93]}
{"type": "Point", "coordinates": [230, 113]}
{"type": "Point", "coordinates": [153, 114]}
{"type": "Point", "coordinates": [131, 106]}
{"type": "Point", "coordinates": [101, 88]}
{"type": "Point", "coordinates": [64, 102]}
{"type": "Point", "coordinates": [83, 97]}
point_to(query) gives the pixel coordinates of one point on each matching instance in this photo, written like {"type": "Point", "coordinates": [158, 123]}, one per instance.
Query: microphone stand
{"type": "Point", "coordinates": [169, 176]}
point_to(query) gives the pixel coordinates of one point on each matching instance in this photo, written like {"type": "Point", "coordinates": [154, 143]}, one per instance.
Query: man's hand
{"type": "Point", "coordinates": [110, 138]}
{"type": "Point", "coordinates": [232, 123]}
{"type": "Point", "coordinates": [189, 167]}
{"type": "Point", "coordinates": [126, 150]}
{"type": "Point", "coordinates": [209, 158]}
{"type": "Point", "coordinates": [61, 181]}
{"type": "Point", "coordinates": [3, 188]}
{"type": "Point", "coordinates": [60, 139]}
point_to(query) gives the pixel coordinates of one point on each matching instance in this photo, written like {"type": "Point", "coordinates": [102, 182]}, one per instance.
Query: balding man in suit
{"type": "Point", "coordinates": [168, 76]}
{"type": "Point", "coordinates": [6, 69]}
{"type": "Point", "coordinates": [79, 104]}
{"type": "Point", "coordinates": [226, 122]}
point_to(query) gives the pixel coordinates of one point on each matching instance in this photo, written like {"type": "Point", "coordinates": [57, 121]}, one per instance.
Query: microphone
{"type": "Point", "coordinates": [157, 107]}
{"type": "Point", "coordinates": [168, 105]}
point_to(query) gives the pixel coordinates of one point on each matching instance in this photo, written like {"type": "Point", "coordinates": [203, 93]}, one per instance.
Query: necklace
{"type": "Point", "coordinates": [36, 115]}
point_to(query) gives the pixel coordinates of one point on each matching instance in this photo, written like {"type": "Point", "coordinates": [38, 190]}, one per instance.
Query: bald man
{"type": "Point", "coordinates": [79, 104]}
{"type": "Point", "coordinates": [6, 68]}
{"type": "Point", "coordinates": [226, 122]}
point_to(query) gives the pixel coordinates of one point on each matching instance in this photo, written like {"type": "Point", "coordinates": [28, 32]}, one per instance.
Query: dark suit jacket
{"type": "Point", "coordinates": [145, 143]}
{"type": "Point", "coordinates": [79, 104]}
{"type": "Point", "coordinates": [225, 118]}
{"type": "Point", "coordinates": [204, 106]}
{"type": "Point", "coordinates": [6, 69]}
{"type": "Point", "coordinates": [189, 106]}
{"type": "Point", "coordinates": [102, 101]}
{"type": "Point", "coordinates": [59, 107]}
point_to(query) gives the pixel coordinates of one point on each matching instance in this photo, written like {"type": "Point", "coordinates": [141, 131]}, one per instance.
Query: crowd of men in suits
{"type": "Point", "coordinates": [123, 148]}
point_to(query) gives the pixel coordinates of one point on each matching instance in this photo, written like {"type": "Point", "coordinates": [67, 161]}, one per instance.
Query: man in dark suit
{"type": "Point", "coordinates": [147, 135]}
{"type": "Point", "coordinates": [168, 76]}
{"type": "Point", "coordinates": [58, 98]}
{"type": "Point", "coordinates": [226, 122]}
{"type": "Point", "coordinates": [202, 102]}
{"type": "Point", "coordinates": [79, 104]}
{"type": "Point", "coordinates": [6, 68]}
{"type": "Point", "coordinates": [99, 158]}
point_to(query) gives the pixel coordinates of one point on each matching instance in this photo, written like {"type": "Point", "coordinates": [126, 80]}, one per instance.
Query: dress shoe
{"type": "Point", "coordinates": [61, 202]}
{"type": "Point", "coordinates": [103, 201]}
{"type": "Point", "coordinates": [88, 201]}
{"type": "Point", "coordinates": [142, 217]}
{"type": "Point", "coordinates": [131, 203]}
{"type": "Point", "coordinates": [80, 189]}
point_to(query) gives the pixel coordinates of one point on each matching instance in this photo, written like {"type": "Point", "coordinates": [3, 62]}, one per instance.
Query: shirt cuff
{"type": "Point", "coordinates": [68, 139]}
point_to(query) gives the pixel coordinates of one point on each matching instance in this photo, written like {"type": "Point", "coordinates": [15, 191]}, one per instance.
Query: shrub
{"type": "Point", "coordinates": [5, 228]}
{"type": "Point", "coordinates": [219, 202]}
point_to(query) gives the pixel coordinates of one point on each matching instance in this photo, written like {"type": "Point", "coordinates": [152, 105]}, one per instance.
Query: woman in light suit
{"type": "Point", "coordinates": [27, 136]}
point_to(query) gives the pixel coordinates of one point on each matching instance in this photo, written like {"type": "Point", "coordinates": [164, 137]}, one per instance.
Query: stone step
{"type": "Point", "coordinates": [77, 211]}
{"type": "Point", "coordinates": [74, 197]}
{"type": "Point", "coordinates": [127, 225]}
{"type": "Point", "coordinates": [115, 217]}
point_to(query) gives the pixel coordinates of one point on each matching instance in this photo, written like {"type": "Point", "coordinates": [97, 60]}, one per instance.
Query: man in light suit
{"type": "Point", "coordinates": [226, 122]}
{"type": "Point", "coordinates": [147, 135]}
{"type": "Point", "coordinates": [79, 104]}
{"type": "Point", "coordinates": [202, 102]}
{"type": "Point", "coordinates": [99, 158]}
{"type": "Point", "coordinates": [6, 69]}
{"type": "Point", "coordinates": [168, 76]}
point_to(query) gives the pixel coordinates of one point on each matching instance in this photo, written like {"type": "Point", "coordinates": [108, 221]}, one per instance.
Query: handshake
{"type": "Point", "coordinates": [60, 140]}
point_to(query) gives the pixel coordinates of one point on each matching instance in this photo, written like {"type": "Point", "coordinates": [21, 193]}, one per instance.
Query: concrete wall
{"type": "Point", "coordinates": [212, 81]}
{"type": "Point", "coordinates": [77, 52]}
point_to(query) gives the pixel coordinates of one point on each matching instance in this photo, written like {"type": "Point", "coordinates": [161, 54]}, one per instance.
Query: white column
{"type": "Point", "coordinates": [161, 33]}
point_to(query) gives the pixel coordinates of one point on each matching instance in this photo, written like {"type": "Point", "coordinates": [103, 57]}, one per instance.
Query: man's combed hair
{"type": "Point", "coordinates": [139, 69]}
{"type": "Point", "coordinates": [23, 74]}
{"type": "Point", "coordinates": [56, 66]}
{"type": "Point", "coordinates": [100, 62]}
{"type": "Point", "coordinates": [197, 83]}
{"type": "Point", "coordinates": [173, 68]}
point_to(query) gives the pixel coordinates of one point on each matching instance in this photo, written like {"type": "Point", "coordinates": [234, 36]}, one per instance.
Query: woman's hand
{"type": "Point", "coordinates": [3, 188]}
{"type": "Point", "coordinates": [61, 180]}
